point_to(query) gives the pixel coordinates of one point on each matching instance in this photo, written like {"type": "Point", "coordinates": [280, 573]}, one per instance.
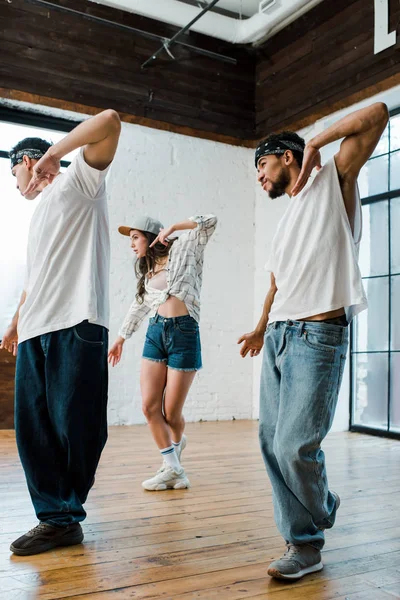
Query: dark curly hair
{"type": "Point", "coordinates": [31, 142]}
{"type": "Point", "coordinates": [290, 136]}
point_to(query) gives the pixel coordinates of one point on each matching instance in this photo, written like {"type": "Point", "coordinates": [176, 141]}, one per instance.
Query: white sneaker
{"type": "Point", "coordinates": [181, 447]}
{"type": "Point", "coordinates": [166, 478]}
{"type": "Point", "coordinates": [163, 467]}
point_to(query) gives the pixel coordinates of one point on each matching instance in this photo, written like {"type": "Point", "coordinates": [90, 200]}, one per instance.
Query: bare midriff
{"type": "Point", "coordinates": [172, 307]}
{"type": "Point", "coordinates": [323, 316]}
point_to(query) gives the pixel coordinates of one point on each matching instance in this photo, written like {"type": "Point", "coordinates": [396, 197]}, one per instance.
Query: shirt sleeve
{"type": "Point", "coordinates": [134, 318]}
{"type": "Point", "coordinates": [206, 226]}
{"type": "Point", "coordinates": [87, 179]}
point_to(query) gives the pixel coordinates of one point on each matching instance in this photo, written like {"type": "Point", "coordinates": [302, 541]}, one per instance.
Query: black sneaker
{"type": "Point", "coordinates": [45, 537]}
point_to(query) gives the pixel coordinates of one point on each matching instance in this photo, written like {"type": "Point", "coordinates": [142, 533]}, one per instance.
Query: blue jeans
{"type": "Point", "coordinates": [61, 417]}
{"type": "Point", "coordinates": [175, 341]}
{"type": "Point", "coordinates": [302, 370]}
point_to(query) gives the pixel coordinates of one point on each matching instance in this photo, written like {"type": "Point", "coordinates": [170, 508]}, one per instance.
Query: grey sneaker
{"type": "Point", "coordinates": [166, 478]}
{"type": "Point", "coordinates": [296, 562]}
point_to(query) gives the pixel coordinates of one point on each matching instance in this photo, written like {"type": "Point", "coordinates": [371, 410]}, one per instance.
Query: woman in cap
{"type": "Point", "coordinates": [169, 273]}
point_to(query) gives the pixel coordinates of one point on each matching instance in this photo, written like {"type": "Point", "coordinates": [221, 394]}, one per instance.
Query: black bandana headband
{"type": "Point", "coordinates": [16, 157]}
{"type": "Point", "coordinates": [276, 147]}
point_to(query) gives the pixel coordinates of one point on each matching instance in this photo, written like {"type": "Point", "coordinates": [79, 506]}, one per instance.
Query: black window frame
{"type": "Point", "coordinates": [353, 353]}
{"type": "Point", "coordinates": [34, 119]}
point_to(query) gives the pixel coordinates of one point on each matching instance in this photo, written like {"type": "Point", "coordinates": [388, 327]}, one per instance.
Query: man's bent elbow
{"type": "Point", "coordinates": [382, 113]}
{"type": "Point", "coordinates": [113, 118]}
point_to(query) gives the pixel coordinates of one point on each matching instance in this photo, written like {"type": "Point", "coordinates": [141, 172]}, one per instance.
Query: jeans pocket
{"type": "Point", "coordinates": [268, 330]}
{"type": "Point", "coordinates": [88, 333]}
{"type": "Point", "coordinates": [189, 327]}
{"type": "Point", "coordinates": [322, 340]}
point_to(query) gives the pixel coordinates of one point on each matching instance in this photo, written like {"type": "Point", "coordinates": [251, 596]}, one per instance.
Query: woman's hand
{"type": "Point", "coordinates": [163, 235]}
{"type": "Point", "coordinates": [115, 352]}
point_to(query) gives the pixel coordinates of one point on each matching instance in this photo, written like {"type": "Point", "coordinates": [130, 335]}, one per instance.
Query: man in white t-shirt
{"type": "Point", "coordinates": [316, 289]}
{"type": "Point", "coordinates": [61, 327]}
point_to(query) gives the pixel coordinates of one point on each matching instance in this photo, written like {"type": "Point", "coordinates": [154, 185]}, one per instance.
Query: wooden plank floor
{"type": "Point", "coordinates": [215, 540]}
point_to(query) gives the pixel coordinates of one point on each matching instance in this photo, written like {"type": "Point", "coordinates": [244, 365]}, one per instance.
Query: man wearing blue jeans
{"type": "Point", "coordinates": [316, 289]}
{"type": "Point", "coordinates": [61, 327]}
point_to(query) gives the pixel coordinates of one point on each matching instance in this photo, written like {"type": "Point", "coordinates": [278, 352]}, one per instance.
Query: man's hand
{"type": "Point", "coordinates": [10, 340]}
{"type": "Point", "coordinates": [311, 159]}
{"type": "Point", "coordinates": [252, 342]}
{"type": "Point", "coordinates": [115, 352]}
{"type": "Point", "coordinates": [163, 235]}
{"type": "Point", "coordinates": [45, 169]}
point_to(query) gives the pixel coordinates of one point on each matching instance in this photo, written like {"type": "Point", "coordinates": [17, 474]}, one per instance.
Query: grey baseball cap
{"type": "Point", "coordinates": [143, 223]}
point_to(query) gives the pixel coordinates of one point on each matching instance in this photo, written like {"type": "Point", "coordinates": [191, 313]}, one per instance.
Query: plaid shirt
{"type": "Point", "coordinates": [184, 276]}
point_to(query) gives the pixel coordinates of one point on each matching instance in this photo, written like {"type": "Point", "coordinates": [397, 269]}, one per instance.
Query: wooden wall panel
{"type": "Point", "coordinates": [322, 62]}
{"type": "Point", "coordinates": [7, 372]}
{"type": "Point", "coordinates": [67, 57]}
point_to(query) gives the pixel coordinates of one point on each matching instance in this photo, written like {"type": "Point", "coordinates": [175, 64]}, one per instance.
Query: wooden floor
{"type": "Point", "coordinates": [215, 540]}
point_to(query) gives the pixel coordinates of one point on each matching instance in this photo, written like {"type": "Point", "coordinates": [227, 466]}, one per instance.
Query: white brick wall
{"type": "Point", "coordinates": [172, 177]}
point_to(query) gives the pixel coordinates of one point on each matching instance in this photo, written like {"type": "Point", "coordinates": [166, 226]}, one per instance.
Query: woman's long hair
{"type": "Point", "coordinates": [147, 263]}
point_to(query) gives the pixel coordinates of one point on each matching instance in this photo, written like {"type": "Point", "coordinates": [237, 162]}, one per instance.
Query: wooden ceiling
{"type": "Point", "coordinates": [321, 61]}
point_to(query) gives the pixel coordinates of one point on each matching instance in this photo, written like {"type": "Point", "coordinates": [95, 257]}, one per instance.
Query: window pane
{"type": "Point", "coordinates": [395, 170]}
{"type": "Point", "coordinates": [395, 310]}
{"type": "Point", "coordinates": [394, 133]}
{"type": "Point", "coordinates": [11, 134]}
{"type": "Point", "coordinates": [394, 233]}
{"type": "Point", "coordinates": [383, 144]}
{"type": "Point", "coordinates": [15, 216]}
{"type": "Point", "coordinates": [372, 325]}
{"type": "Point", "coordinates": [14, 209]}
{"type": "Point", "coordinates": [395, 393]}
{"type": "Point", "coordinates": [374, 258]}
{"type": "Point", "coordinates": [370, 390]}
{"type": "Point", "coordinates": [373, 178]}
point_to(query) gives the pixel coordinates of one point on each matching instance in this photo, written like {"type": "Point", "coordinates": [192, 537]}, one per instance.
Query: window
{"type": "Point", "coordinates": [15, 211]}
{"type": "Point", "coordinates": [375, 339]}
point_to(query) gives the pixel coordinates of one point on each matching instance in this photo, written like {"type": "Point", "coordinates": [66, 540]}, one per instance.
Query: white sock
{"type": "Point", "coordinates": [171, 458]}
{"type": "Point", "coordinates": [177, 445]}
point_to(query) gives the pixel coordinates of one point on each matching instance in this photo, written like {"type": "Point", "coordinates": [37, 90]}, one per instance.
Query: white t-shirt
{"type": "Point", "coordinates": [314, 254]}
{"type": "Point", "coordinates": [68, 254]}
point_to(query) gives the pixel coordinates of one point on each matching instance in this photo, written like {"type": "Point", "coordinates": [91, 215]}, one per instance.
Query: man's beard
{"type": "Point", "coordinates": [279, 186]}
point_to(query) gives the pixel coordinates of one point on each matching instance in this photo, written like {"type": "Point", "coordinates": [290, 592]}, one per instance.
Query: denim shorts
{"type": "Point", "coordinates": [175, 341]}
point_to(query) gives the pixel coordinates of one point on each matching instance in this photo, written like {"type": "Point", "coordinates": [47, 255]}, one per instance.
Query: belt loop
{"type": "Point", "coordinates": [301, 328]}
{"type": "Point", "coordinates": [156, 317]}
